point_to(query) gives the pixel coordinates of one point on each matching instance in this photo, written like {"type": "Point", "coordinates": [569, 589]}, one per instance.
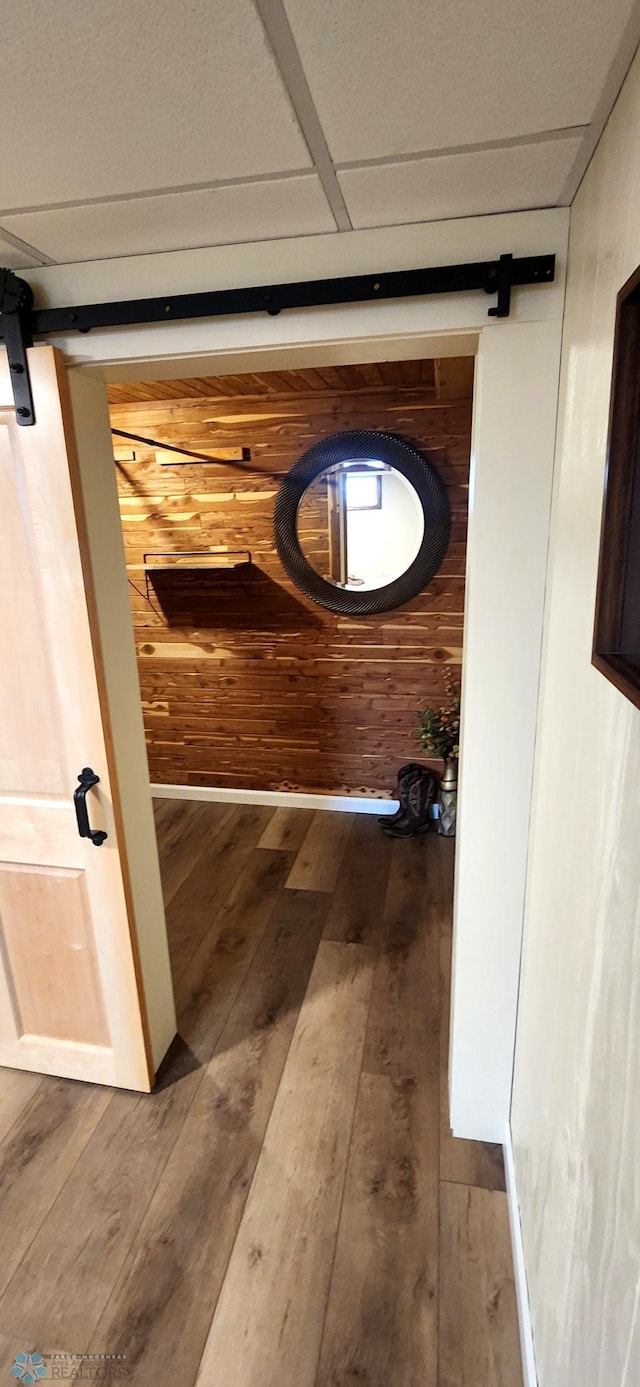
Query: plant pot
{"type": "Point", "coordinates": [448, 799]}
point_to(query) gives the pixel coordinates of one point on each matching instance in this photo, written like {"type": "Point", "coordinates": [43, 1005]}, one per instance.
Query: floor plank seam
{"type": "Point", "coordinates": [19, 1115]}
{"type": "Point", "coordinates": [152, 1196]}
{"type": "Point", "coordinates": [344, 1186]}
{"type": "Point", "coordinates": [58, 1194]}
{"type": "Point", "coordinates": [241, 983]}
{"type": "Point", "coordinates": [261, 1145]}
{"type": "Point", "coordinates": [178, 977]}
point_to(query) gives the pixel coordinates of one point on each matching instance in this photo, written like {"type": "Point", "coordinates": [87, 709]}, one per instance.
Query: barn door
{"type": "Point", "coordinates": [71, 1000]}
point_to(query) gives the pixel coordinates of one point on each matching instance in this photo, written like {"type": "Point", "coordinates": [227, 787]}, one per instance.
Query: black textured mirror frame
{"type": "Point", "coordinates": [616, 642]}
{"type": "Point", "coordinates": [365, 444]}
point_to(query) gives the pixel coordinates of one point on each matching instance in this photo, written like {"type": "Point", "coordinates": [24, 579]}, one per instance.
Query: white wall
{"type": "Point", "coordinates": [509, 505]}
{"type": "Point", "coordinates": [382, 543]}
{"type": "Point", "coordinates": [514, 407]}
{"type": "Point", "coordinates": [576, 1101]}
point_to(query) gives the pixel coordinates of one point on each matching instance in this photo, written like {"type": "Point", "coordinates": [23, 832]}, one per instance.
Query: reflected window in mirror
{"type": "Point", "coordinates": [363, 486]}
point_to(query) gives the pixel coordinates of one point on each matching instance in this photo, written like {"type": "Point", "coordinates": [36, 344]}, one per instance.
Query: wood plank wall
{"type": "Point", "coordinates": [245, 682]}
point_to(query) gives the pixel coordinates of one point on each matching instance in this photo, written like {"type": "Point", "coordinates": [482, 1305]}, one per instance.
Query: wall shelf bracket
{"type": "Point", "coordinates": [192, 561]}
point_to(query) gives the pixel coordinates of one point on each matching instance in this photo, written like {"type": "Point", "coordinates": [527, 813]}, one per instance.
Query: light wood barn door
{"type": "Point", "coordinates": [70, 999]}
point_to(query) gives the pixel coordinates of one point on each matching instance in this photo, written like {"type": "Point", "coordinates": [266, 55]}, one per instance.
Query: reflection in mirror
{"type": "Point", "coordinates": [360, 524]}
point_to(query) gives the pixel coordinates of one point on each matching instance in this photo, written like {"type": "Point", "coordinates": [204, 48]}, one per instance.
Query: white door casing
{"type": "Point", "coordinates": [488, 924]}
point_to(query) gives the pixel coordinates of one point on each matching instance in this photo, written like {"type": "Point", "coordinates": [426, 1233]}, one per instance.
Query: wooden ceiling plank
{"type": "Point", "coordinates": [451, 374]}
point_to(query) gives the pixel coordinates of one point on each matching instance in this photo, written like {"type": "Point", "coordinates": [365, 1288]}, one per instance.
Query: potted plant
{"type": "Point", "coordinates": [438, 734]}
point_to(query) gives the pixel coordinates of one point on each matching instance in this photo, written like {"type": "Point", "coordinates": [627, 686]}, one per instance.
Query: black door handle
{"type": "Point", "coordinates": [87, 778]}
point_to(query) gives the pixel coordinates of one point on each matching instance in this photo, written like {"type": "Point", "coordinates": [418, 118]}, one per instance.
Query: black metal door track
{"type": "Point", "coordinates": [20, 321]}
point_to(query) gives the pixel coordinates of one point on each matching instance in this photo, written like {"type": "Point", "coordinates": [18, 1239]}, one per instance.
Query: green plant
{"type": "Point", "coordinates": [439, 728]}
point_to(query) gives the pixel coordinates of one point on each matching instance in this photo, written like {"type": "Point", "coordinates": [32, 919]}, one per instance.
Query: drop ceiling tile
{"type": "Point", "coordinates": [179, 221]}
{"type": "Point", "coordinates": [13, 259]}
{"type": "Point", "coordinates": [458, 185]}
{"type": "Point", "coordinates": [137, 95]}
{"type": "Point", "coordinates": [399, 78]}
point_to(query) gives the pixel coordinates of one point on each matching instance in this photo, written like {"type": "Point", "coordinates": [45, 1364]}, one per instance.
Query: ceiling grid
{"type": "Point", "coordinates": [267, 119]}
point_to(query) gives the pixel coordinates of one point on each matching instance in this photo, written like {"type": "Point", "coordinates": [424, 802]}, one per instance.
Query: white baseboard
{"type": "Point", "coordinates": [520, 1271]}
{"type": "Point", "coordinates": [277, 799]}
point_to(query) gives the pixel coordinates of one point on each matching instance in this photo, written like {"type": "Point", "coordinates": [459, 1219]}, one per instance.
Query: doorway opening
{"type": "Point", "coordinates": [304, 1112]}
{"type": "Point", "coordinates": [262, 709]}
{"type": "Point", "coordinates": [300, 938]}
{"type": "Point", "coordinates": [247, 684]}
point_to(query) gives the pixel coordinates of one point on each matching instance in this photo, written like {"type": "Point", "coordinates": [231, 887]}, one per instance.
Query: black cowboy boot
{"type": "Point", "coordinates": [423, 790]}
{"type": "Point", "coordinates": [406, 775]}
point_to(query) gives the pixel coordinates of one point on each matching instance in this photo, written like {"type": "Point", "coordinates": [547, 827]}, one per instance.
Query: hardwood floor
{"type": "Point", "coordinates": [288, 1208]}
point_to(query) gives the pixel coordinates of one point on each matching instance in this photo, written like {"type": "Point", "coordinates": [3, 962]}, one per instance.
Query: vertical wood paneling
{"type": "Point", "coordinates": [245, 682]}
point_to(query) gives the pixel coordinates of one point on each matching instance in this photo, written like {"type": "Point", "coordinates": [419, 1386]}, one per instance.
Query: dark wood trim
{"type": "Point", "coordinates": [620, 672]}
{"type": "Point", "coordinates": [620, 519]}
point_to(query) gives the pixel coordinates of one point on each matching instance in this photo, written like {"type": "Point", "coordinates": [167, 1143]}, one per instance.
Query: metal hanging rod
{"type": "Point", "coordinates": [20, 321]}
{"type": "Point", "coordinates": [172, 448]}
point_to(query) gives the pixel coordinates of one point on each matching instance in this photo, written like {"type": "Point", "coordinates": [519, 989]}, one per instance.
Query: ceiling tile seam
{"type": "Point", "coordinates": [618, 70]}
{"type": "Point", "coordinates": [25, 248]}
{"type": "Point", "coordinates": [283, 175]}
{"type": "Point", "coordinates": [249, 181]}
{"type": "Point", "coordinates": [567, 132]}
{"type": "Point", "coordinates": [178, 250]}
{"type": "Point", "coordinates": [442, 220]}
{"type": "Point", "coordinates": [283, 45]}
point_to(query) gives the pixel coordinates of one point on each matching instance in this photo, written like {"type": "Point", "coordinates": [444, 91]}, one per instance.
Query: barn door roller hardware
{"type": "Point", "coordinates": [20, 322]}
{"type": "Point", "coordinates": [16, 302]}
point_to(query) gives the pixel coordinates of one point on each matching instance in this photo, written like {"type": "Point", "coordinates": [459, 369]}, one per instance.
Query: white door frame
{"type": "Point", "coordinates": [512, 462]}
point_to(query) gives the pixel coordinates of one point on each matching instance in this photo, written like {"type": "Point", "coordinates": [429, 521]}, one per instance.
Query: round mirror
{"type": "Point", "coordinates": [362, 522]}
